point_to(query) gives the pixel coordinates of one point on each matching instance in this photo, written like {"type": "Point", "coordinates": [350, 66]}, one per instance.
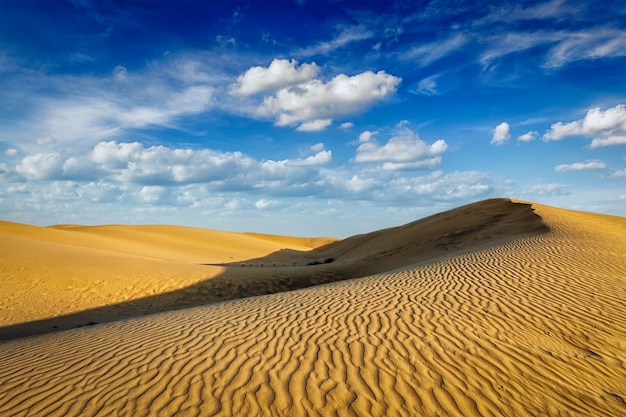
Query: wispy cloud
{"type": "Point", "coordinates": [428, 53]}
{"type": "Point", "coordinates": [68, 109]}
{"type": "Point", "coordinates": [554, 9]}
{"type": "Point", "coordinates": [543, 190]}
{"type": "Point", "coordinates": [345, 37]}
{"type": "Point", "coordinates": [591, 44]}
{"type": "Point", "coordinates": [427, 86]}
{"type": "Point", "coordinates": [580, 166]}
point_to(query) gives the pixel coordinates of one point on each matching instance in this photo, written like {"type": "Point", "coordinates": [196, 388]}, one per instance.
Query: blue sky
{"type": "Point", "coordinates": [307, 117]}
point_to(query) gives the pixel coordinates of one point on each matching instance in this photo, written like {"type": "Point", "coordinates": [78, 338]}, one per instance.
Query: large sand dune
{"type": "Point", "coordinates": [495, 308]}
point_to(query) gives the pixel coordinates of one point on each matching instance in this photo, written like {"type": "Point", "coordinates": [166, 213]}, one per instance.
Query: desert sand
{"type": "Point", "coordinates": [496, 308]}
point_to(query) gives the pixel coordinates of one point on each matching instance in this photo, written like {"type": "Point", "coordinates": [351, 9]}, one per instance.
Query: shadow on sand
{"type": "Point", "coordinates": [446, 234]}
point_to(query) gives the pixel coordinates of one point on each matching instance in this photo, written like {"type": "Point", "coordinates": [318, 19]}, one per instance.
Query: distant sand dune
{"type": "Point", "coordinates": [531, 324]}
{"type": "Point", "coordinates": [63, 271]}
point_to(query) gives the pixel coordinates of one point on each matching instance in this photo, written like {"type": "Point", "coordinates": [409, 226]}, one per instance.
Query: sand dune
{"type": "Point", "coordinates": [64, 270]}
{"type": "Point", "coordinates": [497, 308]}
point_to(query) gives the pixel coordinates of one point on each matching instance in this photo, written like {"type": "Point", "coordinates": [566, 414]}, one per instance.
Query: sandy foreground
{"type": "Point", "coordinates": [495, 308]}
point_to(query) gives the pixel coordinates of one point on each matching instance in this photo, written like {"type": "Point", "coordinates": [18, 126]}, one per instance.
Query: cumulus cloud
{"type": "Point", "coordinates": [366, 136]}
{"type": "Point", "coordinates": [346, 125]}
{"type": "Point", "coordinates": [612, 140]}
{"type": "Point", "coordinates": [453, 186]}
{"type": "Point", "coordinates": [40, 166]}
{"type": "Point", "coordinates": [320, 158]}
{"type": "Point", "coordinates": [315, 100]}
{"type": "Point", "coordinates": [527, 137]}
{"type": "Point", "coordinates": [607, 127]}
{"type": "Point", "coordinates": [151, 193]}
{"type": "Point", "coordinates": [280, 73]}
{"type": "Point", "coordinates": [501, 134]}
{"type": "Point", "coordinates": [579, 166]}
{"type": "Point", "coordinates": [133, 163]}
{"type": "Point", "coordinates": [405, 150]}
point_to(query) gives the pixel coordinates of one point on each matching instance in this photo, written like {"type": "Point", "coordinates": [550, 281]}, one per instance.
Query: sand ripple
{"type": "Point", "coordinates": [535, 326]}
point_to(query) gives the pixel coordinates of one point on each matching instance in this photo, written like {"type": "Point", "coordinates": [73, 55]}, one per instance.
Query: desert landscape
{"type": "Point", "coordinates": [497, 308]}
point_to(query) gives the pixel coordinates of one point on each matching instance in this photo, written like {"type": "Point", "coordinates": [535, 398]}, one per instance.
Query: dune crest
{"type": "Point", "coordinates": [526, 326]}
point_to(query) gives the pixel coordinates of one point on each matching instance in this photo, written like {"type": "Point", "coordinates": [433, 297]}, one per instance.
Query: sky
{"type": "Point", "coordinates": [308, 118]}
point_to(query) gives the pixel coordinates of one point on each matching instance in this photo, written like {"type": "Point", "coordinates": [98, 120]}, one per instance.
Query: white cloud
{"type": "Point", "coordinates": [551, 9]}
{"type": "Point", "coordinates": [318, 147]}
{"type": "Point", "coordinates": [564, 46]}
{"type": "Point", "coordinates": [347, 36]}
{"type": "Point", "coordinates": [611, 140]}
{"type": "Point", "coordinates": [314, 125]}
{"type": "Point", "coordinates": [280, 73]}
{"type": "Point", "coordinates": [86, 109]}
{"type": "Point", "coordinates": [438, 186]}
{"type": "Point", "coordinates": [502, 45]}
{"type": "Point", "coordinates": [320, 158]}
{"type": "Point", "coordinates": [431, 52]}
{"type": "Point", "coordinates": [618, 174]}
{"type": "Point", "coordinates": [591, 44]}
{"type": "Point", "coordinates": [45, 140]}
{"type": "Point", "coordinates": [114, 155]}
{"type": "Point", "coordinates": [545, 190]}
{"type": "Point", "coordinates": [151, 193]}
{"type": "Point", "coordinates": [609, 127]}
{"type": "Point", "coordinates": [405, 150]}
{"type": "Point", "coordinates": [501, 134]}
{"type": "Point", "coordinates": [315, 100]}
{"type": "Point", "coordinates": [366, 136]}
{"type": "Point", "coordinates": [579, 166]}
{"type": "Point", "coordinates": [41, 166]}
{"type": "Point", "coordinates": [264, 204]}
{"type": "Point", "coordinates": [346, 125]}
{"type": "Point", "coordinates": [132, 163]}
{"type": "Point", "coordinates": [428, 86]}
{"type": "Point", "coordinates": [11, 152]}
{"type": "Point", "coordinates": [527, 137]}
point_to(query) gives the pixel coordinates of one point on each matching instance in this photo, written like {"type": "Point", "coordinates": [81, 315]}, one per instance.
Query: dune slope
{"type": "Point", "coordinates": [64, 270]}
{"type": "Point", "coordinates": [529, 326]}
{"type": "Point", "coordinates": [68, 276]}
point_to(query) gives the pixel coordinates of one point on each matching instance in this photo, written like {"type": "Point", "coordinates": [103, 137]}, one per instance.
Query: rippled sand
{"type": "Point", "coordinates": [496, 316]}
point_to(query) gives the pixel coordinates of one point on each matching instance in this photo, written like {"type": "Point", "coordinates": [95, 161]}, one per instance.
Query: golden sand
{"type": "Point", "coordinates": [478, 311]}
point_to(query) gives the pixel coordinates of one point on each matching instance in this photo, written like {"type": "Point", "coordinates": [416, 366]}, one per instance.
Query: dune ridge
{"type": "Point", "coordinates": [533, 325]}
